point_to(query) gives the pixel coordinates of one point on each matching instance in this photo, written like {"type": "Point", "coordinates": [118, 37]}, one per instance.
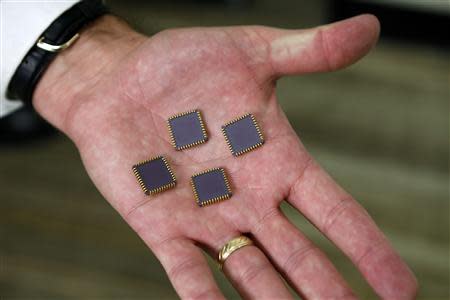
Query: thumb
{"type": "Point", "coordinates": [321, 49]}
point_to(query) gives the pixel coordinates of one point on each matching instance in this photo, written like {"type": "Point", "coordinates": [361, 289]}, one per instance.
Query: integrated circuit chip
{"type": "Point", "coordinates": [211, 186]}
{"type": "Point", "coordinates": [243, 134]}
{"type": "Point", "coordinates": [154, 175]}
{"type": "Point", "coordinates": [187, 130]}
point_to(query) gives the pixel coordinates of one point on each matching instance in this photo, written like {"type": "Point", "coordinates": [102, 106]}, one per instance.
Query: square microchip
{"type": "Point", "coordinates": [243, 134]}
{"type": "Point", "coordinates": [211, 186]}
{"type": "Point", "coordinates": [154, 175]}
{"type": "Point", "coordinates": [187, 130]}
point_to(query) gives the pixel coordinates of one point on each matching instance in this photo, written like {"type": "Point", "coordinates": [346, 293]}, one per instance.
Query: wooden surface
{"type": "Point", "coordinates": [380, 127]}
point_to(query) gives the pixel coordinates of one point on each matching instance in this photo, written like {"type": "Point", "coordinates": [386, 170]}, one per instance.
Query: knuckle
{"type": "Point", "coordinates": [296, 258]}
{"type": "Point", "coordinates": [183, 267]}
{"type": "Point", "coordinates": [328, 57]}
{"type": "Point", "coordinates": [205, 294]}
{"type": "Point", "coordinates": [252, 272]}
{"type": "Point", "coordinates": [335, 213]}
{"type": "Point", "coordinates": [297, 183]}
{"type": "Point", "coordinates": [271, 213]}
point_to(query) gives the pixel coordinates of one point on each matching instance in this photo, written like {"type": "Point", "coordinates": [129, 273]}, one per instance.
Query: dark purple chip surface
{"type": "Point", "coordinates": [187, 130]}
{"type": "Point", "coordinates": [154, 175]}
{"type": "Point", "coordinates": [243, 135]}
{"type": "Point", "coordinates": [211, 186]}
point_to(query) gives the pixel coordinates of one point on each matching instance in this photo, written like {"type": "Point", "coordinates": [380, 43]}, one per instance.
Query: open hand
{"type": "Point", "coordinates": [123, 90]}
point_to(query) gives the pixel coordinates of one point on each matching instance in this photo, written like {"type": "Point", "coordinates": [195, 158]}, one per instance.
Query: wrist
{"type": "Point", "coordinates": [101, 46]}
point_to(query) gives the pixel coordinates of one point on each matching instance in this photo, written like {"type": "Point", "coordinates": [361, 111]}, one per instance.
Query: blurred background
{"type": "Point", "coordinates": [380, 127]}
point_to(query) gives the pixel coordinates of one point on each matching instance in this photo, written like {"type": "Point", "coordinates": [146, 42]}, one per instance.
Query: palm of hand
{"type": "Point", "coordinates": [225, 73]}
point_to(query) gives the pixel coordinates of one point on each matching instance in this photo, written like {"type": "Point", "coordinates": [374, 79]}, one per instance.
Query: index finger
{"type": "Point", "coordinates": [336, 214]}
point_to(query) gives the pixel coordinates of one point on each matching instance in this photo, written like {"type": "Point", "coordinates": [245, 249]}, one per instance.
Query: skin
{"type": "Point", "coordinates": [112, 93]}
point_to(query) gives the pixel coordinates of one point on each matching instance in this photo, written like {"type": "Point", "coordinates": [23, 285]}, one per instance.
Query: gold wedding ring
{"type": "Point", "coordinates": [231, 246]}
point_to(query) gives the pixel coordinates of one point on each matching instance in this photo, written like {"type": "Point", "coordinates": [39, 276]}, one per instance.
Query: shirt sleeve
{"type": "Point", "coordinates": [21, 24]}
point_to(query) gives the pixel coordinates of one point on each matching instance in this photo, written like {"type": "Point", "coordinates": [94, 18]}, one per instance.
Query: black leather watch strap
{"type": "Point", "coordinates": [36, 61]}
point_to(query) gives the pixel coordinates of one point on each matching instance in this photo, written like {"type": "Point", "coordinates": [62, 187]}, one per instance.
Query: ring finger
{"type": "Point", "coordinates": [251, 273]}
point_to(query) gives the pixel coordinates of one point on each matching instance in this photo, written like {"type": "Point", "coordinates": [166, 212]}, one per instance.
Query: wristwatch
{"type": "Point", "coordinates": [61, 34]}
